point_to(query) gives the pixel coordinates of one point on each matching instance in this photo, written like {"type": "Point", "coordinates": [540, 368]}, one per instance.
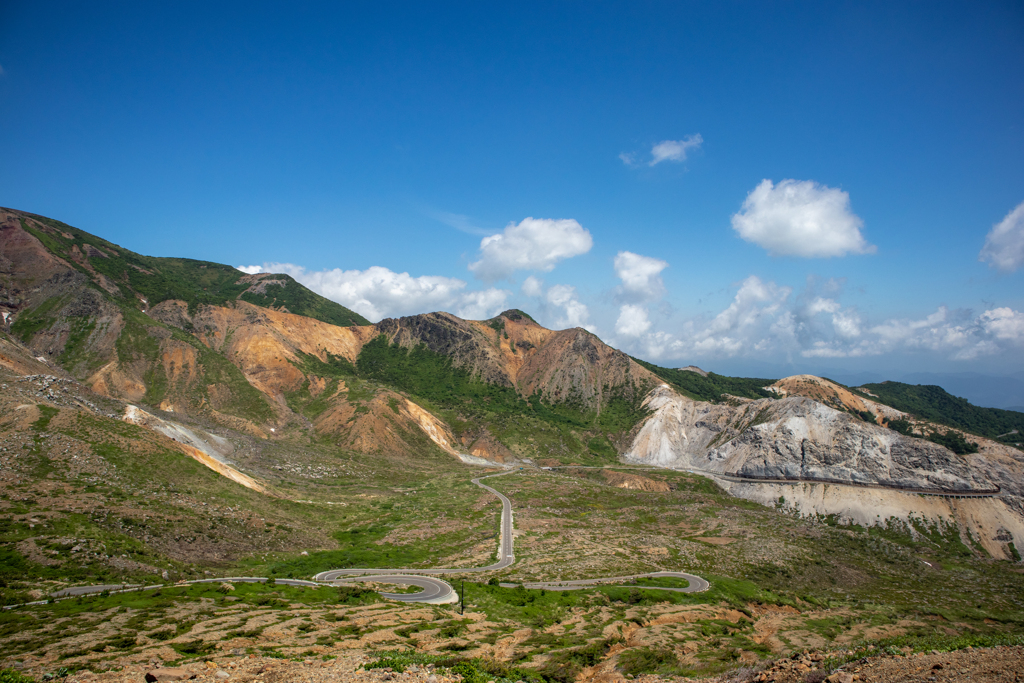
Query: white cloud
{"type": "Point", "coordinates": [764, 320]}
{"type": "Point", "coordinates": [801, 218]}
{"type": "Point", "coordinates": [483, 304]}
{"type": "Point", "coordinates": [633, 321]}
{"type": "Point", "coordinates": [958, 333]}
{"type": "Point", "coordinates": [822, 305]}
{"type": "Point", "coordinates": [666, 150]}
{"type": "Point", "coordinates": [533, 286]}
{"type": "Point", "coordinates": [640, 275]}
{"type": "Point", "coordinates": [1004, 324]}
{"type": "Point", "coordinates": [1004, 246]}
{"type": "Point", "coordinates": [533, 244]}
{"type": "Point", "coordinates": [378, 292]}
{"type": "Point", "coordinates": [755, 322]}
{"type": "Point", "coordinates": [674, 150]}
{"type": "Point", "coordinates": [251, 270]}
{"type": "Point", "coordinates": [576, 313]}
{"type": "Point", "coordinates": [846, 324]}
{"type": "Point", "coordinates": [755, 301]}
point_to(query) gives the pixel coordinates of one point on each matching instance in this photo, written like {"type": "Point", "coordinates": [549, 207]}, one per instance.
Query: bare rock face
{"type": "Point", "coordinates": [793, 438]}
{"type": "Point", "coordinates": [466, 344]}
{"type": "Point", "coordinates": [566, 366]}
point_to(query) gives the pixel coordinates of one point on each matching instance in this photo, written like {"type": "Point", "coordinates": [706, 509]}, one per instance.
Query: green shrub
{"type": "Point", "coordinates": [12, 676]}
{"type": "Point", "coordinates": [935, 404]}
{"type": "Point", "coordinates": [194, 647]}
{"type": "Point", "coordinates": [954, 441]}
{"type": "Point", "coordinates": [641, 660]}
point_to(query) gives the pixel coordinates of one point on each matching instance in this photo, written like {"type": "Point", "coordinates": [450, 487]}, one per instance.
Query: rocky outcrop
{"type": "Point", "coordinates": [834, 395]}
{"type": "Point", "coordinates": [207, 449]}
{"type": "Point", "coordinates": [567, 366]}
{"type": "Point", "coordinates": [793, 438]}
{"type": "Point", "coordinates": [472, 347]}
{"type": "Point", "coordinates": [813, 459]}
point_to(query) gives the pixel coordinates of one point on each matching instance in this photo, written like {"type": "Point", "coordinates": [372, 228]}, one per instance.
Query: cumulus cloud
{"type": "Point", "coordinates": [844, 323]}
{"type": "Point", "coordinates": [666, 150]}
{"type": "Point", "coordinates": [1004, 324]}
{"type": "Point", "coordinates": [801, 218]}
{"type": "Point", "coordinates": [959, 333]}
{"type": "Point", "coordinates": [640, 275]}
{"type": "Point", "coordinates": [378, 292]}
{"type": "Point", "coordinates": [575, 312]}
{"type": "Point", "coordinates": [1004, 246]}
{"type": "Point", "coordinates": [533, 286]}
{"type": "Point", "coordinates": [483, 304]}
{"type": "Point", "coordinates": [633, 321]}
{"type": "Point", "coordinates": [765, 320]}
{"type": "Point", "coordinates": [532, 244]}
{"type": "Point", "coordinates": [251, 270]}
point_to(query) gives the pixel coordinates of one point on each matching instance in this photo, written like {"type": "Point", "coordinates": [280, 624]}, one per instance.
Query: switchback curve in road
{"type": "Point", "coordinates": [435, 591]}
{"type": "Point", "coordinates": [506, 557]}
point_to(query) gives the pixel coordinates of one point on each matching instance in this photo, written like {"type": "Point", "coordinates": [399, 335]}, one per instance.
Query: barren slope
{"type": "Point", "coordinates": [802, 440]}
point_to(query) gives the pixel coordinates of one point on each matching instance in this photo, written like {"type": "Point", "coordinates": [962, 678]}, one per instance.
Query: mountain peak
{"type": "Point", "coordinates": [515, 315]}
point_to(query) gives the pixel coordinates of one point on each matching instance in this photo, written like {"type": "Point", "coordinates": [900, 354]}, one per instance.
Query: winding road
{"type": "Point", "coordinates": [434, 591]}
{"type": "Point", "coordinates": [441, 592]}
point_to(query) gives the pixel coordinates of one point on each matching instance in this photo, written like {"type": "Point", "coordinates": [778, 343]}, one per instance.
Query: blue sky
{"type": "Point", "coordinates": [390, 156]}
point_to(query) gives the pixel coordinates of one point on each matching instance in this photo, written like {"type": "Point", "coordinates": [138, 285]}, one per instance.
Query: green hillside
{"type": "Point", "coordinates": [710, 388]}
{"type": "Point", "coordinates": [196, 282]}
{"type": "Point", "coordinates": [934, 403]}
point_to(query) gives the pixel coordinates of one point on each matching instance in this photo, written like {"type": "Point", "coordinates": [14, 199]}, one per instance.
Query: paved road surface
{"type": "Point", "coordinates": [505, 558]}
{"type": "Point", "coordinates": [434, 591]}
{"type": "Point", "coordinates": [697, 584]}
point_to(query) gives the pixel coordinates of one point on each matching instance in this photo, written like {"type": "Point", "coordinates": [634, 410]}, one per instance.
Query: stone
{"type": "Point", "coordinates": [165, 575]}
{"type": "Point", "coordinates": [840, 677]}
{"type": "Point", "coordinates": [222, 675]}
{"type": "Point", "coordinates": [170, 674]}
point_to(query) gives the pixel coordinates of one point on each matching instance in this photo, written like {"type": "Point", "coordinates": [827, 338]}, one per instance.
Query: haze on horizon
{"type": "Point", "coordinates": [754, 189]}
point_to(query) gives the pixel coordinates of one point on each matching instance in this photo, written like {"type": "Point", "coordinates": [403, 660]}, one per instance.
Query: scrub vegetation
{"type": "Point", "coordinates": [159, 279]}
{"type": "Point", "coordinates": [935, 404]}
{"type": "Point", "coordinates": [712, 388]}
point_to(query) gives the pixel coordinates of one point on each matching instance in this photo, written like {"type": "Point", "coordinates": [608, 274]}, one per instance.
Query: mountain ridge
{"type": "Point", "coordinates": [501, 390]}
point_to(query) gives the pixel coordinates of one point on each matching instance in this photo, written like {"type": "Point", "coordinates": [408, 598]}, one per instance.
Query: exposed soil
{"type": "Point", "coordinates": [986, 664]}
